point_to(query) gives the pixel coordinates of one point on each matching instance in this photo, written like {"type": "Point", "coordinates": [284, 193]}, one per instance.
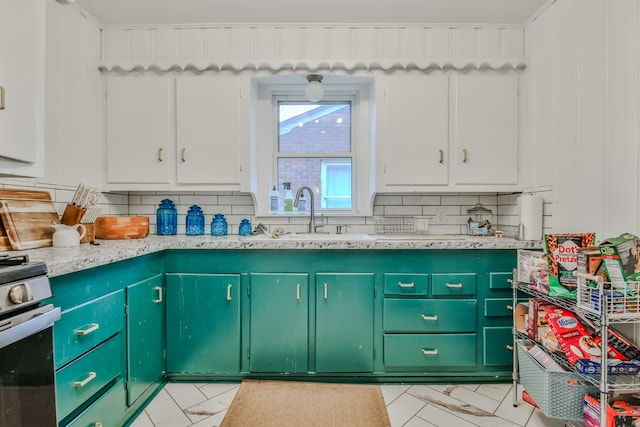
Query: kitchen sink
{"type": "Point", "coordinates": [418, 237]}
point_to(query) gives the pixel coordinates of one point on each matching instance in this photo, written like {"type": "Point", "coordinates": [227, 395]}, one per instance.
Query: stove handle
{"type": "Point", "coordinates": [39, 322]}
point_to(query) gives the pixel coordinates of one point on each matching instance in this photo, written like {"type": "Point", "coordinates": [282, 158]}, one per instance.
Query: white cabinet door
{"type": "Point", "coordinates": [138, 129]}
{"type": "Point", "coordinates": [22, 41]}
{"type": "Point", "coordinates": [417, 130]}
{"type": "Point", "coordinates": [207, 130]}
{"type": "Point", "coordinates": [485, 129]}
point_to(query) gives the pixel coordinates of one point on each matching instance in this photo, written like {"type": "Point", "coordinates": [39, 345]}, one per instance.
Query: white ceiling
{"type": "Point", "coordinates": [176, 12]}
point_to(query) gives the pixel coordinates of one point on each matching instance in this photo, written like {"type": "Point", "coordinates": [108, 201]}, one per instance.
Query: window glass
{"type": "Point", "coordinates": [315, 150]}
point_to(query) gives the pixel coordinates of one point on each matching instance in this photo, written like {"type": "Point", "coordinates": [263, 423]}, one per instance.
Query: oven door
{"type": "Point", "coordinates": [27, 387]}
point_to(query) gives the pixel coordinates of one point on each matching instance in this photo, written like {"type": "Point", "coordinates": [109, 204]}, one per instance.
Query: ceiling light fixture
{"type": "Point", "coordinates": [314, 90]}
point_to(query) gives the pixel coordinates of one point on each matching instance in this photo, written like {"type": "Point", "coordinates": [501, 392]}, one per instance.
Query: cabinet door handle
{"type": "Point", "coordinates": [326, 291]}
{"type": "Point", "coordinates": [97, 424]}
{"type": "Point", "coordinates": [159, 290]}
{"type": "Point", "coordinates": [425, 317]}
{"type": "Point", "coordinates": [91, 327]}
{"type": "Point", "coordinates": [441, 156]}
{"type": "Point", "coordinates": [90, 377]}
{"type": "Point", "coordinates": [509, 307]}
{"type": "Point", "coordinates": [182, 153]}
{"type": "Point", "coordinates": [298, 291]}
{"type": "Point", "coordinates": [1, 98]}
{"type": "Point", "coordinates": [229, 292]}
{"type": "Point", "coordinates": [159, 154]}
{"type": "Point", "coordinates": [407, 285]}
{"type": "Point", "coordinates": [510, 347]}
{"type": "Point", "coordinates": [453, 285]}
{"type": "Point", "coordinates": [464, 155]}
{"type": "Point", "coordinates": [429, 352]}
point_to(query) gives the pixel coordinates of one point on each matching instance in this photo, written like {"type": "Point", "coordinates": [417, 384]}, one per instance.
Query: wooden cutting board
{"type": "Point", "coordinates": [18, 194]}
{"type": "Point", "coordinates": [122, 227]}
{"type": "Point", "coordinates": [28, 223]}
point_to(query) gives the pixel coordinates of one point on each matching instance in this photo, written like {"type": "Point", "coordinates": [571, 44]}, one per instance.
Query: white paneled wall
{"type": "Point", "coordinates": [581, 114]}
{"type": "Point", "coordinates": [278, 47]}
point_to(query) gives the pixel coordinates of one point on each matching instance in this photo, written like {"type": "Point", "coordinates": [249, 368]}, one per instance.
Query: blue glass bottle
{"type": "Point", "coordinates": [245, 228]}
{"type": "Point", "coordinates": [166, 219]}
{"type": "Point", "coordinates": [195, 221]}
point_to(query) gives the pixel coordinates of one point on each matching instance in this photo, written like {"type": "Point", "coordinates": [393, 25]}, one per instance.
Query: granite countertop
{"type": "Point", "coordinates": [68, 260]}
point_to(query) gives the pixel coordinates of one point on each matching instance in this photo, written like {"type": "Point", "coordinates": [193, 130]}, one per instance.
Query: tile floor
{"type": "Point", "coordinates": [466, 405]}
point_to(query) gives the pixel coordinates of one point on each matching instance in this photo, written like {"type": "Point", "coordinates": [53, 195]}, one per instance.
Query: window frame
{"type": "Point", "coordinates": [350, 97]}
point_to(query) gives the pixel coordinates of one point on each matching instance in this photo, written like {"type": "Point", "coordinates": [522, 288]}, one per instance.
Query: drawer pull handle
{"type": "Point", "coordinates": [298, 291]}
{"type": "Point", "coordinates": [90, 328]}
{"type": "Point", "coordinates": [453, 285]}
{"type": "Point", "coordinates": [509, 307]}
{"type": "Point", "coordinates": [407, 285]}
{"type": "Point", "coordinates": [425, 317]}
{"type": "Point", "coordinates": [509, 347]}
{"type": "Point", "coordinates": [97, 424]}
{"type": "Point", "coordinates": [229, 292]}
{"type": "Point", "coordinates": [90, 377]}
{"type": "Point", "coordinates": [326, 291]}
{"type": "Point", "coordinates": [159, 290]}
{"type": "Point", "coordinates": [429, 352]}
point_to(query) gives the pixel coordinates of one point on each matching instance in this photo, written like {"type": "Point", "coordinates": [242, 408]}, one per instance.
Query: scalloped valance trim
{"type": "Point", "coordinates": [350, 66]}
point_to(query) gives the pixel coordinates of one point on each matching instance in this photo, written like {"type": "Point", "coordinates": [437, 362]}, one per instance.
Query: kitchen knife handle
{"type": "Point", "coordinates": [159, 290]}
{"type": "Point", "coordinates": [229, 292]}
{"type": "Point", "coordinates": [159, 154]}
{"type": "Point", "coordinates": [441, 156]}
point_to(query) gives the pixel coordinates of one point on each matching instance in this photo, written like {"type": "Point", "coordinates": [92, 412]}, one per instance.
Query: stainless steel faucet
{"type": "Point", "coordinates": [312, 220]}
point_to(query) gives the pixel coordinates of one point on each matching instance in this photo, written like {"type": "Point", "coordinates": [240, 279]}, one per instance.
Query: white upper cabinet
{"type": "Point", "coordinates": [485, 129]}
{"type": "Point", "coordinates": [207, 128]}
{"type": "Point", "coordinates": [417, 138]}
{"type": "Point", "coordinates": [454, 132]}
{"type": "Point", "coordinates": [22, 76]}
{"type": "Point", "coordinates": [138, 130]}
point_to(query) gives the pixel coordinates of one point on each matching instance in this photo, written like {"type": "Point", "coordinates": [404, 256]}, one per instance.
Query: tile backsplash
{"type": "Point", "coordinates": [236, 206]}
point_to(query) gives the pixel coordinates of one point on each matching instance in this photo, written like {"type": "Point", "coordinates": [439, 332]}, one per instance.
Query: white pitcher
{"type": "Point", "coordinates": [67, 235]}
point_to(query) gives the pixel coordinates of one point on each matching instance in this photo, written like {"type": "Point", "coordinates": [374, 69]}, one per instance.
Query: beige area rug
{"type": "Point", "coordinates": [304, 404]}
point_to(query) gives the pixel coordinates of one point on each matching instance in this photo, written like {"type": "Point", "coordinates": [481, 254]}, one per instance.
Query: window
{"type": "Point", "coordinates": [315, 150]}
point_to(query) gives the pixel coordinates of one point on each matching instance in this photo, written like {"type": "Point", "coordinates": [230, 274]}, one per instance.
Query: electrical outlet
{"type": "Point", "coordinates": [440, 216]}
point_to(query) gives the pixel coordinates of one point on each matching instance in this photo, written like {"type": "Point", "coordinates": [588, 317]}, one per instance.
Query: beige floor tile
{"type": "Point", "coordinates": [215, 389]}
{"type": "Point", "coordinates": [403, 409]}
{"type": "Point", "coordinates": [519, 414]}
{"type": "Point", "coordinates": [391, 392]}
{"type": "Point", "coordinates": [494, 391]}
{"type": "Point", "coordinates": [469, 397]}
{"type": "Point", "coordinates": [143, 420]}
{"type": "Point", "coordinates": [165, 412]}
{"type": "Point", "coordinates": [206, 409]}
{"type": "Point", "coordinates": [441, 418]}
{"type": "Point", "coordinates": [185, 394]}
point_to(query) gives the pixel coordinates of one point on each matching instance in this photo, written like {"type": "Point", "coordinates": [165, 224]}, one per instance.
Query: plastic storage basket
{"type": "Point", "coordinates": [558, 394]}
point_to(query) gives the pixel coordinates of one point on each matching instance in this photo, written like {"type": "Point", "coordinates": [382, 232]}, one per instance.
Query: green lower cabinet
{"type": "Point", "coordinates": [107, 411]}
{"type": "Point", "coordinates": [279, 326]}
{"type": "Point", "coordinates": [498, 345]}
{"type": "Point", "coordinates": [145, 340]}
{"type": "Point", "coordinates": [429, 351]}
{"type": "Point", "coordinates": [203, 323]}
{"type": "Point", "coordinates": [344, 322]}
{"type": "Point", "coordinates": [81, 380]}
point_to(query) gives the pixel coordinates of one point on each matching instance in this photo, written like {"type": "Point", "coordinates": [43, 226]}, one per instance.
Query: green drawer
{"type": "Point", "coordinates": [450, 284]}
{"type": "Point", "coordinates": [406, 284]}
{"type": "Point", "coordinates": [498, 307]}
{"type": "Point", "coordinates": [500, 280]}
{"type": "Point", "coordinates": [107, 411]}
{"type": "Point", "coordinates": [80, 380]}
{"type": "Point", "coordinates": [429, 350]}
{"type": "Point", "coordinates": [87, 325]}
{"type": "Point", "coordinates": [498, 345]}
{"type": "Point", "coordinates": [426, 315]}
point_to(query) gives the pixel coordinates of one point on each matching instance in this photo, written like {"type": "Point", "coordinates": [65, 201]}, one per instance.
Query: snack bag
{"type": "Point", "coordinates": [562, 257]}
{"type": "Point", "coordinates": [573, 337]}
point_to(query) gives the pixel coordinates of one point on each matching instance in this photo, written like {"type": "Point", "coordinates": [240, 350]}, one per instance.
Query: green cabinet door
{"type": "Point", "coordinates": [344, 322]}
{"type": "Point", "coordinates": [279, 331]}
{"type": "Point", "coordinates": [145, 338]}
{"type": "Point", "coordinates": [203, 323]}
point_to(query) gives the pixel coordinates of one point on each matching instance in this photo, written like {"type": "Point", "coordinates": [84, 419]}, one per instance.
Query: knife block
{"type": "Point", "coordinates": [72, 215]}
